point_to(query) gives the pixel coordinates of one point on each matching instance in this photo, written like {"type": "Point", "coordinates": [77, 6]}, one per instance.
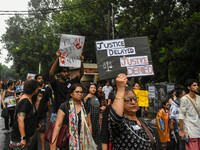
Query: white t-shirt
{"type": "Point", "coordinates": [107, 90]}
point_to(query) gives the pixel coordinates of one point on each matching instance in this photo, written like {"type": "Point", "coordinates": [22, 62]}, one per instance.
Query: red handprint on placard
{"type": "Point", "coordinates": [78, 43]}
{"type": "Point", "coordinates": [62, 60]}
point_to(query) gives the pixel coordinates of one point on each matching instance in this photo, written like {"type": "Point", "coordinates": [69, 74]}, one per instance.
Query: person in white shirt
{"type": "Point", "coordinates": [107, 89]}
{"type": "Point", "coordinates": [189, 121]}
{"type": "Point", "coordinates": [174, 120]}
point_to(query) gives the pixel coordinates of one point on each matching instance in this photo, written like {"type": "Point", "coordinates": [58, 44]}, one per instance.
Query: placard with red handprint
{"type": "Point", "coordinates": [71, 47]}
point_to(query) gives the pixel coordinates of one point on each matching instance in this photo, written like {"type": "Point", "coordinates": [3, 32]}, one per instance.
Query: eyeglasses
{"type": "Point", "coordinates": [81, 92]}
{"type": "Point", "coordinates": [128, 100]}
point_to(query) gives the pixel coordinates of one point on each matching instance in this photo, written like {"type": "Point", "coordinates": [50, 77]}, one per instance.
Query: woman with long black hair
{"type": "Point", "coordinates": [92, 107]}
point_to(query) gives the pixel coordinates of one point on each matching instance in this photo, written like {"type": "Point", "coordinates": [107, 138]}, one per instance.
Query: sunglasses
{"type": "Point", "coordinates": [81, 92]}
{"type": "Point", "coordinates": [135, 99]}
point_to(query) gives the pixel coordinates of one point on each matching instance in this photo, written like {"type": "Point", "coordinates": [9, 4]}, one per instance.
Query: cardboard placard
{"type": "Point", "coordinates": [143, 97]}
{"type": "Point", "coordinates": [31, 76]}
{"type": "Point", "coordinates": [71, 47]}
{"type": "Point", "coordinates": [131, 56]}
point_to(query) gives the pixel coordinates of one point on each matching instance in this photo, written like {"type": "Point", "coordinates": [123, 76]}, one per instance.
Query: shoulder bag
{"type": "Point", "coordinates": [5, 113]}
{"type": "Point", "coordinates": [62, 137]}
{"type": "Point", "coordinates": [153, 143]}
{"type": "Point", "coordinates": [194, 106]}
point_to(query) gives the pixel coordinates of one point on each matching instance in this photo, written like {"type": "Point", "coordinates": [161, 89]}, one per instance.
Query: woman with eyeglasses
{"type": "Point", "coordinates": [73, 113]}
{"type": "Point", "coordinates": [93, 108]}
{"type": "Point", "coordinates": [126, 129]}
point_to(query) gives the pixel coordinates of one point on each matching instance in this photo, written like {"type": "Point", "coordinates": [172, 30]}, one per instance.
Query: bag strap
{"type": "Point", "coordinates": [177, 103]}
{"type": "Point", "coordinates": [153, 143]}
{"type": "Point", "coordinates": [193, 105]}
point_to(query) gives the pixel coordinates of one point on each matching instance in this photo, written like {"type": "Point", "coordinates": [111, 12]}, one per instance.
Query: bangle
{"type": "Point", "coordinates": [119, 98]}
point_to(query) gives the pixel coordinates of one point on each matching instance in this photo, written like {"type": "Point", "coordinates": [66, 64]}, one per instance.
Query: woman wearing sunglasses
{"type": "Point", "coordinates": [126, 129]}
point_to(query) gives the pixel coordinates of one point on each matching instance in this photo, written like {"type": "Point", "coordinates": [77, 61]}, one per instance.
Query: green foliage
{"type": "Point", "coordinates": [172, 28]}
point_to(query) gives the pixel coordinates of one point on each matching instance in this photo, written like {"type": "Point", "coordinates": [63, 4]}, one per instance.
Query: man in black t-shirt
{"type": "Point", "coordinates": [44, 106]}
{"type": "Point", "coordinates": [61, 86]}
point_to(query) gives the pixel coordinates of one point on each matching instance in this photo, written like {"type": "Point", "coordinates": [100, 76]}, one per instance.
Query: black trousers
{"type": "Point", "coordinates": [10, 117]}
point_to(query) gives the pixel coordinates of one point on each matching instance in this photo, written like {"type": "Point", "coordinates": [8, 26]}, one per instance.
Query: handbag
{"type": "Point", "coordinates": [62, 137]}
{"type": "Point", "coordinates": [5, 113]}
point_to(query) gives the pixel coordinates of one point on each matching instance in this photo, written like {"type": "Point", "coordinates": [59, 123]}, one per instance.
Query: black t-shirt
{"type": "Point", "coordinates": [65, 106]}
{"type": "Point", "coordinates": [30, 121]}
{"type": "Point", "coordinates": [43, 106]}
{"type": "Point", "coordinates": [61, 91]}
{"type": "Point", "coordinates": [105, 135]}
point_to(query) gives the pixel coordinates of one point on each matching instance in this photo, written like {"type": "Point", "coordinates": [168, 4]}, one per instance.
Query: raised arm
{"type": "Point", "coordinates": [53, 67]}
{"type": "Point", "coordinates": [82, 67]}
{"type": "Point", "coordinates": [118, 104]}
{"type": "Point", "coordinates": [78, 72]}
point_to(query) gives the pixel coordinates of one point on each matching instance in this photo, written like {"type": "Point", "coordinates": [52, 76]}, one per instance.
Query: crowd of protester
{"type": "Point", "coordinates": [108, 115]}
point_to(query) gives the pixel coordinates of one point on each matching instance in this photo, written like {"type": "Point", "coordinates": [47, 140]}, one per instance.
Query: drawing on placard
{"type": "Point", "coordinates": [71, 48]}
{"type": "Point", "coordinates": [78, 44]}
{"type": "Point", "coordinates": [107, 65]}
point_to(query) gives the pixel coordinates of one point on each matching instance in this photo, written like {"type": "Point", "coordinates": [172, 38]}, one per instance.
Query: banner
{"type": "Point", "coordinates": [143, 97]}
{"type": "Point", "coordinates": [71, 47]}
{"type": "Point", "coordinates": [31, 76]}
{"type": "Point", "coordinates": [131, 56]}
{"type": "Point", "coordinates": [152, 91]}
{"type": "Point", "coordinates": [19, 88]}
{"type": "Point", "coordinates": [10, 101]}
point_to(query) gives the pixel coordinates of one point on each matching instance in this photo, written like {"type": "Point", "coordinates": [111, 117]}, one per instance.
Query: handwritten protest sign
{"type": "Point", "coordinates": [143, 97]}
{"type": "Point", "coordinates": [131, 56]}
{"type": "Point", "coordinates": [30, 76]}
{"type": "Point", "coordinates": [71, 47]}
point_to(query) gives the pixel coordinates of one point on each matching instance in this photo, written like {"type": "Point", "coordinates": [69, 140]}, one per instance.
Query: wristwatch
{"type": "Point", "coordinates": [23, 138]}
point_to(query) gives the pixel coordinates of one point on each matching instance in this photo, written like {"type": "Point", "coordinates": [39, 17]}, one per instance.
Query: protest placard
{"type": "Point", "coordinates": [143, 97]}
{"type": "Point", "coordinates": [131, 56]}
{"type": "Point", "coordinates": [19, 88]}
{"type": "Point", "coordinates": [71, 47]}
{"type": "Point", "coordinates": [30, 76]}
{"type": "Point", "coordinates": [152, 91]}
{"type": "Point", "coordinates": [170, 87]}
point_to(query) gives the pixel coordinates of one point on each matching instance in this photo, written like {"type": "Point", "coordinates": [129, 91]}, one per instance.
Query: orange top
{"type": "Point", "coordinates": [163, 134]}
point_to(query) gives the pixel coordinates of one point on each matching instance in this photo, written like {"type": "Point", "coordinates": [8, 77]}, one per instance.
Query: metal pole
{"type": "Point", "coordinates": [108, 27]}
{"type": "Point", "coordinates": [113, 22]}
{"type": "Point", "coordinates": [39, 70]}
